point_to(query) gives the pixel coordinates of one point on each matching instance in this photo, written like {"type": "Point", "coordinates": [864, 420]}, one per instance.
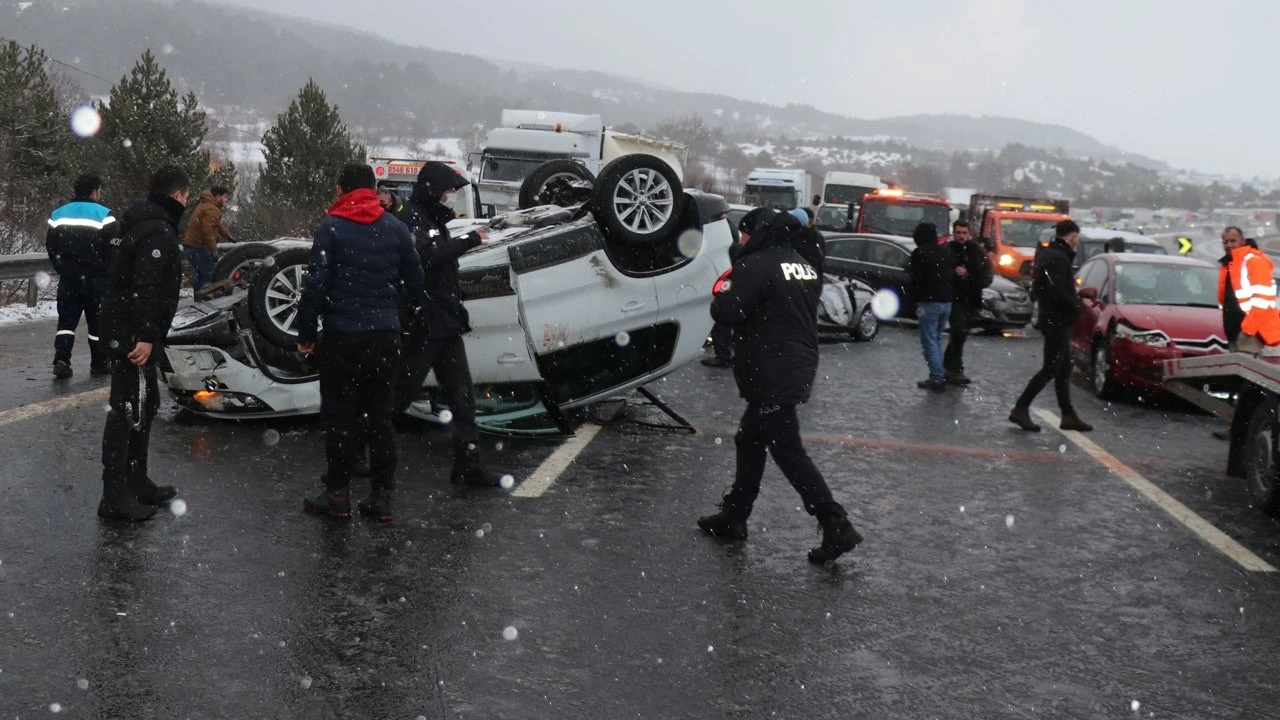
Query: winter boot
{"type": "Point", "coordinates": [838, 538]}
{"type": "Point", "coordinates": [467, 470]}
{"type": "Point", "coordinates": [959, 379]}
{"type": "Point", "coordinates": [1072, 421]}
{"type": "Point", "coordinates": [377, 506]}
{"type": "Point", "coordinates": [62, 370]}
{"type": "Point", "coordinates": [1022, 418]}
{"type": "Point", "coordinates": [118, 502]}
{"type": "Point", "coordinates": [334, 504]}
{"type": "Point", "coordinates": [148, 493]}
{"type": "Point", "coordinates": [934, 385]}
{"type": "Point", "coordinates": [724, 525]}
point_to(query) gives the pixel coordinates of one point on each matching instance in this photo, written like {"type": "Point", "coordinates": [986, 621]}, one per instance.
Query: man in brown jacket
{"type": "Point", "coordinates": [201, 241]}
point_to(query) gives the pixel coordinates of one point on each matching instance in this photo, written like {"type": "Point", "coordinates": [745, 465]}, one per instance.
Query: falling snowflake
{"type": "Point", "coordinates": [271, 438]}
{"type": "Point", "coordinates": [82, 684]}
{"type": "Point", "coordinates": [509, 633]}
{"type": "Point", "coordinates": [178, 508]}
{"type": "Point", "coordinates": [55, 708]}
{"type": "Point", "coordinates": [43, 279]}
{"type": "Point", "coordinates": [622, 339]}
{"type": "Point", "coordinates": [306, 683]}
{"type": "Point", "coordinates": [446, 416]}
{"type": "Point", "coordinates": [885, 304]}
{"type": "Point", "coordinates": [507, 482]}
{"type": "Point", "coordinates": [1008, 521]}
{"type": "Point", "coordinates": [689, 243]}
{"type": "Point", "coordinates": [85, 121]}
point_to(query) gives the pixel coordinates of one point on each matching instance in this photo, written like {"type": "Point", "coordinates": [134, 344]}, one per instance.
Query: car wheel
{"type": "Point", "coordinates": [867, 326]}
{"type": "Point", "coordinates": [275, 294]}
{"type": "Point", "coordinates": [1104, 383]}
{"type": "Point", "coordinates": [241, 261]}
{"type": "Point", "coordinates": [1261, 446]}
{"type": "Point", "coordinates": [551, 184]}
{"type": "Point", "coordinates": [638, 200]}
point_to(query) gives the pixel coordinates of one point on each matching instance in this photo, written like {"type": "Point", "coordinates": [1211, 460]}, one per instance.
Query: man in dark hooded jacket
{"type": "Point", "coordinates": [770, 296]}
{"type": "Point", "coordinates": [363, 271]}
{"type": "Point", "coordinates": [931, 272]}
{"type": "Point", "coordinates": [137, 310]}
{"type": "Point", "coordinates": [433, 338]}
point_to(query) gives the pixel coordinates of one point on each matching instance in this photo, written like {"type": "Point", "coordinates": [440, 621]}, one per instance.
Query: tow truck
{"type": "Point", "coordinates": [894, 211]}
{"type": "Point", "coordinates": [1244, 390]}
{"type": "Point", "coordinates": [400, 174]}
{"type": "Point", "coordinates": [1010, 228]}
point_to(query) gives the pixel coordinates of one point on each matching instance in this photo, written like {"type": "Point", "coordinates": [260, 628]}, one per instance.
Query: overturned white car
{"type": "Point", "coordinates": [571, 303]}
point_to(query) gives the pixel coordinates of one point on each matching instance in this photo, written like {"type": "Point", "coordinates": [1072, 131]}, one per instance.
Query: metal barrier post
{"type": "Point", "coordinates": [33, 291]}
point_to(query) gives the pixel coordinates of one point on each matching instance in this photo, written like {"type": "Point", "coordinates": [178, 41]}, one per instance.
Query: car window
{"type": "Point", "coordinates": [883, 253]}
{"type": "Point", "coordinates": [1152, 284]}
{"type": "Point", "coordinates": [841, 249]}
{"type": "Point", "coordinates": [1093, 274]}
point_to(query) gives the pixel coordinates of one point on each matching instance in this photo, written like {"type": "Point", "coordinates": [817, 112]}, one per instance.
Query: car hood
{"type": "Point", "coordinates": [1185, 325]}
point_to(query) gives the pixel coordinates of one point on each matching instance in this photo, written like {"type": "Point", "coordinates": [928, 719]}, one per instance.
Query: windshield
{"type": "Point", "coordinates": [1158, 284]}
{"type": "Point", "coordinates": [1017, 232]}
{"type": "Point", "coordinates": [771, 196]}
{"type": "Point", "coordinates": [510, 168]}
{"type": "Point", "coordinates": [833, 218]}
{"type": "Point", "coordinates": [844, 194]}
{"type": "Point", "coordinates": [891, 218]}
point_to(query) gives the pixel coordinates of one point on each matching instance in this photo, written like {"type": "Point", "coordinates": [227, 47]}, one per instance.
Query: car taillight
{"type": "Point", "coordinates": [722, 283]}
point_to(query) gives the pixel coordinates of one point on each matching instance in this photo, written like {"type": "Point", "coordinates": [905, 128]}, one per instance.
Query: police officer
{"type": "Point", "coordinates": [433, 338]}
{"type": "Point", "coordinates": [138, 308]}
{"type": "Point", "coordinates": [770, 297]}
{"type": "Point", "coordinates": [363, 271]}
{"type": "Point", "coordinates": [79, 245]}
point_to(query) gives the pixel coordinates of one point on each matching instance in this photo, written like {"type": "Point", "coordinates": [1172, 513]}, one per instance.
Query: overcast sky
{"type": "Point", "coordinates": [1186, 81]}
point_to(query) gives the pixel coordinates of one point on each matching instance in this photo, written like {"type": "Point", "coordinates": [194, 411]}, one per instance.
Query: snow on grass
{"type": "Point", "coordinates": [18, 312]}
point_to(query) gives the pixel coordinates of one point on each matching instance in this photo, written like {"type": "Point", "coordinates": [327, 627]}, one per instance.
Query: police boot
{"type": "Point", "coordinates": [147, 492]}
{"type": "Point", "coordinates": [118, 502]}
{"type": "Point", "coordinates": [724, 525]}
{"type": "Point", "coordinates": [467, 470]}
{"type": "Point", "coordinates": [334, 504]}
{"type": "Point", "coordinates": [838, 538]}
{"type": "Point", "coordinates": [377, 506]}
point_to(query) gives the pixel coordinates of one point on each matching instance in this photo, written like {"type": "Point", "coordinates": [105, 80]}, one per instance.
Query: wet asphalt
{"type": "Point", "coordinates": [1004, 575]}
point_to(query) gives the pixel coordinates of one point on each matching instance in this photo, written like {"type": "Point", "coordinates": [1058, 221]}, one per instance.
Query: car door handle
{"type": "Point", "coordinates": [633, 306]}
{"type": "Point", "coordinates": [510, 359]}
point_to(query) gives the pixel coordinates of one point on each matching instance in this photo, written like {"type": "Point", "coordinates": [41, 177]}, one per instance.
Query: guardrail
{"type": "Point", "coordinates": [29, 266]}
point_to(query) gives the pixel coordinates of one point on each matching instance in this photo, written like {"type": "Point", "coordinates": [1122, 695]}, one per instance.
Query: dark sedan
{"type": "Point", "coordinates": [881, 262]}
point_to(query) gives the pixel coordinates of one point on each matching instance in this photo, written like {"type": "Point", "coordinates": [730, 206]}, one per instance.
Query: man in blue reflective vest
{"type": "Point", "coordinates": [80, 247]}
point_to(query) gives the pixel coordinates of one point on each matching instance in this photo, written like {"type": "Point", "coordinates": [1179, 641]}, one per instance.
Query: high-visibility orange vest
{"type": "Point", "coordinates": [1251, 276]}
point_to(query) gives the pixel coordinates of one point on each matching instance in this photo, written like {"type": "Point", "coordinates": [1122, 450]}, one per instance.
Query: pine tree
{"type": "Point", "coordinates": [146, 124]}
{"type": "Point", "coordinates": [34, 141]}
{"type": "Point", "coordinates": [305, 150]}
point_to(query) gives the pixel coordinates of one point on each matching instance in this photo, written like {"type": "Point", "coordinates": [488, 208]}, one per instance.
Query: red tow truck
{"type": "Point", "coordinates": [894, 211]}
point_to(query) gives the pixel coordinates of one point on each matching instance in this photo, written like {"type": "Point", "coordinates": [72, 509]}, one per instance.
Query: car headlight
{"type": "Point", "coordinates": [1006, 260]}
{"type": "Point", "coordinates": [1155, 338]}
{"type": "Point", "coordinates": [992, 295]}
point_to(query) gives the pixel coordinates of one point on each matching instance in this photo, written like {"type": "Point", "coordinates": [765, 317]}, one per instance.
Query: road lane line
{"type": "Point", "coordinates": [48, 407]}
{"type": "Point", "coordinates": [554, 466]}
{"type": "Point", "coordinates": [1220, 541]}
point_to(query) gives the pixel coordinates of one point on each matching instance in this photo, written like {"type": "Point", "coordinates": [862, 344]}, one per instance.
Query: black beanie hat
{"type": "Point", "coordinates": [925, 234]}
{"type": "Point", "coordinates": [756, 220]}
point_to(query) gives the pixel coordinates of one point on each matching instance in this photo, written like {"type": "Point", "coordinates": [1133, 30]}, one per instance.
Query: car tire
{"type": "Point", "coordinates": [275, 293]}
{"type": "Point", "coordinates": [638, 201]}
{"type": "Point", "coordinates": [867, 326]}
{"type": "Point", "coordinates": [242, 259]}
{"type": "Point", "coordinates": [535, 190]}
{"type": "Point", "coordinates": [1104, 382]}
{"type": "Point", "coordinates": [1262, 471]}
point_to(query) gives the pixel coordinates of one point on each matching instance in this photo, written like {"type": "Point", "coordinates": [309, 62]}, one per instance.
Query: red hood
{"type": "Point", "coordinates": [360, 206]}
{"type": "Point", "coordinates": [1179, 322]}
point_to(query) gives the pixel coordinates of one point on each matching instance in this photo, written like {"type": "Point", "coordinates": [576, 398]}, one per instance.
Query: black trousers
{"type": "Point", "coordinates": [448, 358]}
{"type": "Point", "coordinates": [1056, 368]}
{"type": "Point", "coordinates": [76, 298]}
{"type": "Point", "coordinates": [775, 429]}
{"type": "Point", "coordinates": [357, 383]}
{"type": "Point", "coordinates": [722, 341]}
{"type": "Point", "coordinates": [961, 321]}
{"type": "Point", "coordinates": [127, 436]}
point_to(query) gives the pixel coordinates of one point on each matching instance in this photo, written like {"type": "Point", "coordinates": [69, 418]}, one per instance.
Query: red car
{"type": "Point", "coordinates": [1140, 310]}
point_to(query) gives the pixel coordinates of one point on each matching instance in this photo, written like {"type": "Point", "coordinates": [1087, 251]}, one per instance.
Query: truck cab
{"type": "Point", "coordinates": [1010, 229]}
{"type": "Point", "coordinates": [893, 211]}
{"type": "Point", "coordinates": [781, 189]}
{"type": "Point", "coordinates": [848, 188]}
{"type": "Point", "coordinates": [400, 175]}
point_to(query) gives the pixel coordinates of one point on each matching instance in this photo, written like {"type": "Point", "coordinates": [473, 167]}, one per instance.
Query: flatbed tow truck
{"type": "Point", "coordinates": [1254, 416]}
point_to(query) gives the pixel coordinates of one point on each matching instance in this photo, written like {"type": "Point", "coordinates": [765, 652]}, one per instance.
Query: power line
{"type": "Point", "coordinates": [111, 83]}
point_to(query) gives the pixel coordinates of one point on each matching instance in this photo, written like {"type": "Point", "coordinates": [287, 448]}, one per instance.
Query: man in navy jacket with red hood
{"type": "Point", "coordinates": [364, 271]}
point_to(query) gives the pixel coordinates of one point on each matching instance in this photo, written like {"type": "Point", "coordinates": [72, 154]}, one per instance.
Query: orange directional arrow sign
{"type": "Point", "coordinates": [1184, 245]}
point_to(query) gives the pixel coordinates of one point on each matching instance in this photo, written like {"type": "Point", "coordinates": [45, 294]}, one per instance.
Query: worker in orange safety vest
{"type": "Point", "coordinates": [1249, 274]}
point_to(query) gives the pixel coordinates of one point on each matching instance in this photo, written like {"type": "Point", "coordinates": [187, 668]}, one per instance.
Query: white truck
{"type": "Point", "coordinates": [559, 146]}
{"type": "Point", "coordinates": [781, 189]}
{"type": "Point", "coordinates": [847, 188]}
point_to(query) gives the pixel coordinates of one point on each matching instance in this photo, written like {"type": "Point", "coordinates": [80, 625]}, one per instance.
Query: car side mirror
{"type": "Point", "coordinates": [989, 244]}
{"type": "Point", "coordinates": [1088, 293]}
{"type": "Point", "coordinates": [817, 200]}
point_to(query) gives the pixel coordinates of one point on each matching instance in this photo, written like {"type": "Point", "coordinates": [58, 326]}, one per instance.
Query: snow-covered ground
{"type": "Point", "coordinates": [250, 153]}
{"type": "Point", "coordinates": [20, 313]}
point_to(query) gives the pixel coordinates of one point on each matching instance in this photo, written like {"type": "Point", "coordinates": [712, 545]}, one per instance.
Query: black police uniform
{"type": "Point", "coordinates": [79, 242]}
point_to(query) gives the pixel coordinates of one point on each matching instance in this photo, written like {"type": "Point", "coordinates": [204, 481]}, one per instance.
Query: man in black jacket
{"type": "Point", "coordinates": [722, 333]}
{"type": "Point", "coordinates": [137, 310]}
{"type": "Point", "coordinates": [363, 271]}
{"type": "Point", "coordinates": [1054, 288]}
{"type": "Point", "coordinates": [931, 272]}
{"type": "Point", "coordinates": [433, 338]}
{"type": "Point", "coordinates": [771, 298]}
{"type": "Point", "coordinates": [973, 274]}
{"type": "Point", "coordinates": [80, 249]}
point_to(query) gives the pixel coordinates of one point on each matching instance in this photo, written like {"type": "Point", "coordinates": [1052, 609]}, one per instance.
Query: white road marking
{"type": "Point", "coordinates": [553, 467]}
{"type": "Point", "coordinates": [48, 407]}
{"type": "Point", "coordinates": [1193, 522]}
